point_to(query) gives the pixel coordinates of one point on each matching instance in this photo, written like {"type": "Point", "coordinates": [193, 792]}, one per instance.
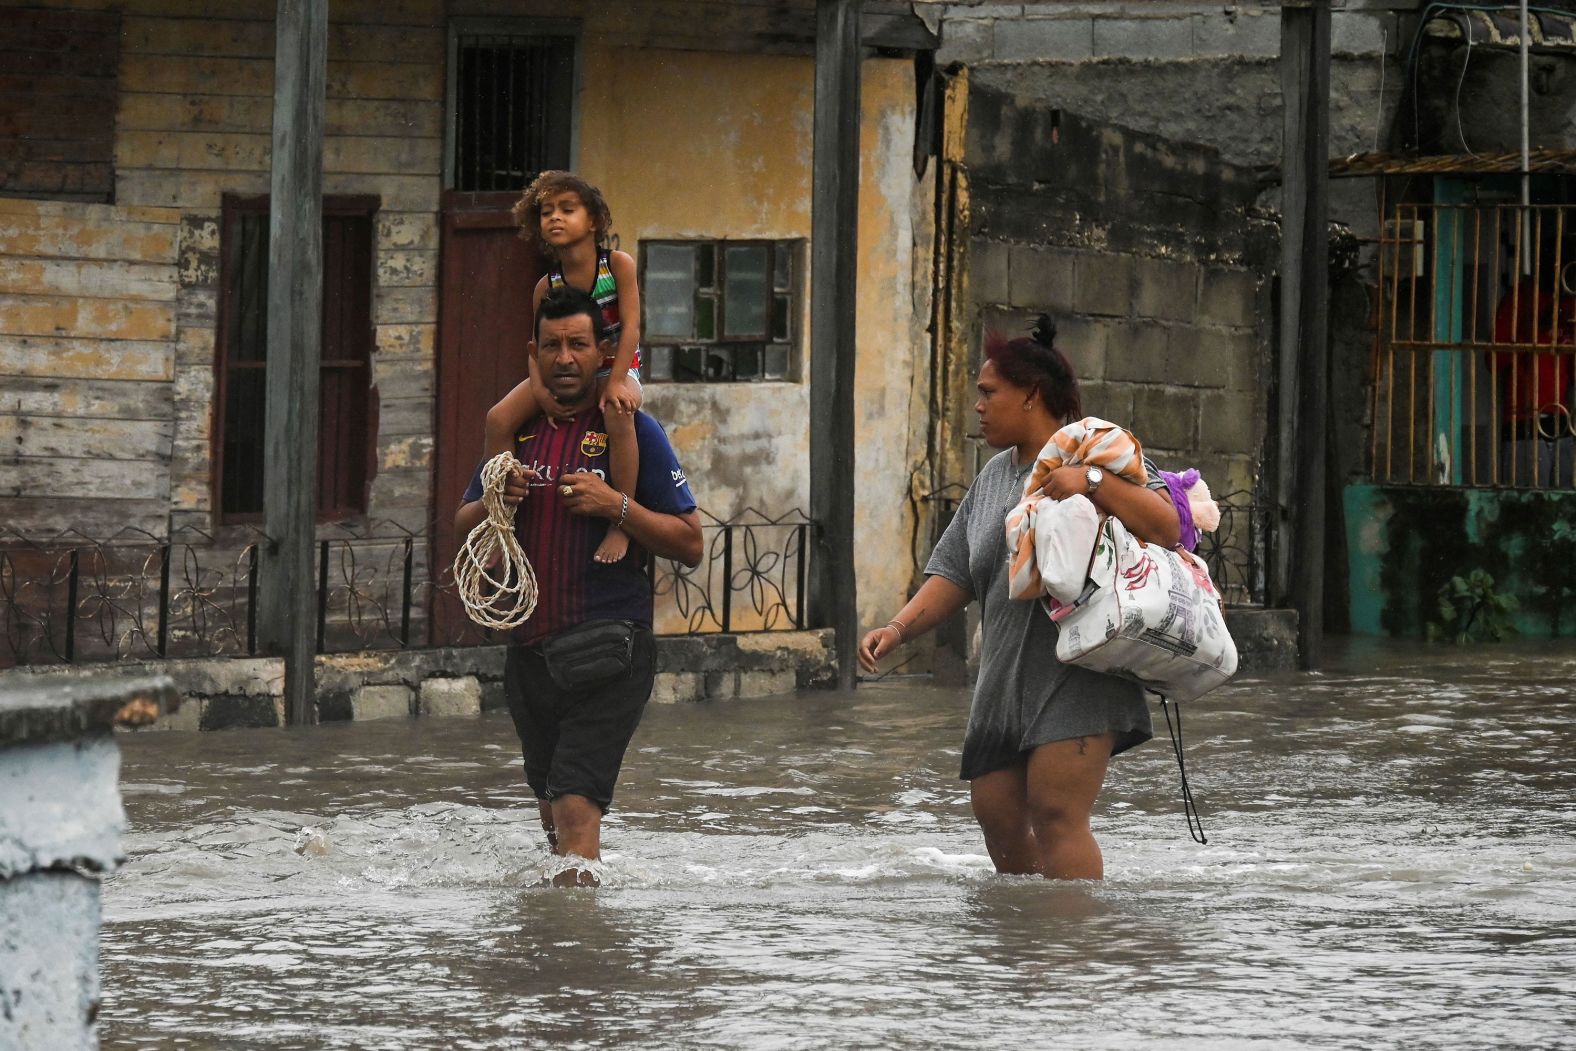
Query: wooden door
{"type": "Point", "coordinates": [484, 324]}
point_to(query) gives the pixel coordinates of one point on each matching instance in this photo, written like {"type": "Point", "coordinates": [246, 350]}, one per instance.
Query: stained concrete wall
{"type": "Point", "coordinates": [695, 145]}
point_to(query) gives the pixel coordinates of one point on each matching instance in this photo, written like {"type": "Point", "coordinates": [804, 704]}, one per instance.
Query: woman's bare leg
{"type": "Point", "coordinates": [1063, 781]}
{"type": "Point", "coordinates": [1000, 801]}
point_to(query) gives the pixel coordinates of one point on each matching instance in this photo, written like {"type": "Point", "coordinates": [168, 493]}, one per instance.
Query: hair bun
{"type": "Point", "coordinates": [1044, 331]}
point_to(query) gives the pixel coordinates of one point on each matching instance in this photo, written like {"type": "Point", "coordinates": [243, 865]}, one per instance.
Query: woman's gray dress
{"type": "Point", "coordinates": [1024, 697]}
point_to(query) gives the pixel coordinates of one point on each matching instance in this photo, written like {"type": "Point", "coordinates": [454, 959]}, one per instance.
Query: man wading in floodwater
{"type": "Point", "coordinates": [579, 672]}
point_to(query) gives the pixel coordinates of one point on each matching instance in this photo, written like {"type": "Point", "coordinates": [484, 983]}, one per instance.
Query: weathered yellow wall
{"type": "Point", "coordinates": [688, 144]}
{"type": "Point", "coordinates": [87, 349]}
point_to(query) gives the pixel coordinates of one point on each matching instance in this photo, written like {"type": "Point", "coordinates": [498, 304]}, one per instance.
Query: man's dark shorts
{"type": "Point", "coordinates": [574, 743]}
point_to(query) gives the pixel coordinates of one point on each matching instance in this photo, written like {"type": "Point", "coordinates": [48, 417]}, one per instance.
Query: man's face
{"type": "Point", "coordinates": [567, 356]}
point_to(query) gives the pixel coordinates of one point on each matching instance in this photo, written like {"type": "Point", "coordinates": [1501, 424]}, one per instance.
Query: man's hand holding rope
{"type": "Point", "coordinates": [491, 570]}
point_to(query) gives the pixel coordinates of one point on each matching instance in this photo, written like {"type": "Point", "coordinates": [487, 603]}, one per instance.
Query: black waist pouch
{"type": "Point", "coordinates": [591, 654]}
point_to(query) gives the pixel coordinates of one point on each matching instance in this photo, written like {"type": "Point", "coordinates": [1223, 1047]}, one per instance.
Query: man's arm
{"type": "Point", "coordinates": [667, 536]}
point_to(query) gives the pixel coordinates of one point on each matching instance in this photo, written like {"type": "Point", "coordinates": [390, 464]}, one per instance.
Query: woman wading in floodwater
{"type": "Point", "coordinates": [1040, 732]}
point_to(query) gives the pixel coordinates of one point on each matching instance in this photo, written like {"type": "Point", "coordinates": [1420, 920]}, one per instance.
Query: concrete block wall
{"type": "Point", "coordinates": [1147, 255]}
{"type": "Point", "coordinates": [1194, 72]}
{"type": "Point", "coordinates": [1135, 30]}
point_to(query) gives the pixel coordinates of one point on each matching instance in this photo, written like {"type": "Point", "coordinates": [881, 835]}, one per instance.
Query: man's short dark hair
{"type": "Point", "coordinates": [567, 302]}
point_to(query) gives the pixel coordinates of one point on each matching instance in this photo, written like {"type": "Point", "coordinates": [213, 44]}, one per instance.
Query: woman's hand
{"type": "Point", "coordinates": [877, 644]}
{"type": "Point", "coordinates": [1067, 481]}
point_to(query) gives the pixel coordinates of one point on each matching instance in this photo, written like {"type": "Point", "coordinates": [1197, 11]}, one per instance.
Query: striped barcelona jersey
{"type": "Point", "coordinates": [572, 588]}
{"type": "Point", "coordinates": [605, 292]}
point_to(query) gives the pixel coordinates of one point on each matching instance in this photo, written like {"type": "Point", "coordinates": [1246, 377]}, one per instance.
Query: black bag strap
{"type": "Point", "coordinates": [1195, 826]}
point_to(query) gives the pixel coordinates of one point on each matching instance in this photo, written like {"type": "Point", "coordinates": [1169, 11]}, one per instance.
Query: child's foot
{"type": "Point", "coordinates": [614, 546]}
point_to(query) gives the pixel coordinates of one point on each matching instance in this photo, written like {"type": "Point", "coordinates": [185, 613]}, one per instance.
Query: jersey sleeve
{"type": "Point", "coordinates": [474, 490]}
{"type": "Point", "coordinates": [662, 485]}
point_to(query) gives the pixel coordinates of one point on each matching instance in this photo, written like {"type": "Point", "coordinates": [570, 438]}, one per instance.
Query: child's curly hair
{"type": "Point", "coordinates": [527, 210]}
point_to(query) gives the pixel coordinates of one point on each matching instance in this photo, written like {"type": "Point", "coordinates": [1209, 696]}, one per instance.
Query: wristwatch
{"type": "Point", "coordinates": [1094, 476]}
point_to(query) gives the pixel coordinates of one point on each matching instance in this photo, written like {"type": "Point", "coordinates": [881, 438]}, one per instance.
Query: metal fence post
{"type": "Point", "coordinates": [71, 605]}
{"type": "Point", "coordinates": [404, 613]}
{"type": "Point", "coordinates": [164, 600]}
{"type": "Point", "coordinates": [251, 601]}
{"type": "Point", "coordinates": [322, 594]}
{"type": "Point", "coordinates": [727, 578]}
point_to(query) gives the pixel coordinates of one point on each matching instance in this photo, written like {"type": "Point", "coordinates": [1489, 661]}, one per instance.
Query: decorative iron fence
{"type": "Point", "coordinates": [1237, 551]}
{"type": "Point", "coordinates": [72, 598]}
{"type": "Point", "coordinates": [752, 577]}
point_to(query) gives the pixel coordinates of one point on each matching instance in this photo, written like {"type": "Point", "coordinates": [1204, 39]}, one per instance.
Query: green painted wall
{"type": "Point", "coordinates": [1404, 542]}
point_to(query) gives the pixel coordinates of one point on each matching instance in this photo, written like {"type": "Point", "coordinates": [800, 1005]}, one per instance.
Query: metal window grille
{"type": "Point", "coordinates": [1473, 365]}
{"type": "Point", "coordinates": [512, 108]}
{"type": "Point", "coordinates": [718, 311]}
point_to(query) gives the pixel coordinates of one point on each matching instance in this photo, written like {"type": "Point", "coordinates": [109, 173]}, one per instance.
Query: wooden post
{"type": "Point", "coordinates": [834, 221]}
{"type": "Point", "coordinates": [1304, 319]}
{"type": "Point", "coordinates": [295, 293]}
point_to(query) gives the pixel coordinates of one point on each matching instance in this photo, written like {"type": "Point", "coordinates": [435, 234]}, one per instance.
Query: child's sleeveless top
{"type": "Point", "coordinates": [605, 292]}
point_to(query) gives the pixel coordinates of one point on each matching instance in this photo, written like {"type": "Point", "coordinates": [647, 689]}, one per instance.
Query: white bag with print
{"type": "Point", "coordinates": [1065, 532]}
{"type": "Point", "coordinates": [1149, 614]}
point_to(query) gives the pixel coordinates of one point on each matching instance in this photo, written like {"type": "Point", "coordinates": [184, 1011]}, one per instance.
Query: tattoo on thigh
{"type": "Point", "coordinates": [1083, 745]}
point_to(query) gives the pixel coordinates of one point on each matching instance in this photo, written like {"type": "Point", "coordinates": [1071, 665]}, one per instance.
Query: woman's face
{"type": "Point", "coordinates": [1006, 411]}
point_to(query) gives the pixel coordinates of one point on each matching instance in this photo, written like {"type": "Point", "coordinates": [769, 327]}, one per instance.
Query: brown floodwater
{"type": "Point", "coordinates": [1391, 863]}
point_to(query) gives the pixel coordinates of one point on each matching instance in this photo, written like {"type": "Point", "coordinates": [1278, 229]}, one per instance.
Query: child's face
{"type": "Point", "coordinates": [565, 219]}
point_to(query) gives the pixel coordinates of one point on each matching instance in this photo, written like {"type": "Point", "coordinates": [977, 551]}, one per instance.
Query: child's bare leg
{"type": "Point", "coordinates": [624, 468]}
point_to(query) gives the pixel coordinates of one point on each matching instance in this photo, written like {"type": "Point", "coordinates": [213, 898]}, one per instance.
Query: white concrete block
{"type": "Point", "coordinates": [678, 687]}
{"type": "Point", "coordinates": [49, 986]}
{"type": "Point", "coordinates": [381, 702]}
{"type": "Point", "coordinates": [444, 697]}
{"type": "Point", "coordinates": [767, 683]}
{"type": "Point", "coordinates": [61, 805]}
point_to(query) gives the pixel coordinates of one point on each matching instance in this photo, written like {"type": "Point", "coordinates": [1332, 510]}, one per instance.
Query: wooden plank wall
{"type": "Point", "coordinates": [100, 322]}
{"type": "Point", "coordinates": [87, 349]}
{"type": "Point", "coordinates": [193, 124]}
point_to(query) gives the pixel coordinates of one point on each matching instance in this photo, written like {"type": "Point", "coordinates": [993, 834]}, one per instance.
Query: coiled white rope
{"type": "Point", "coordinates": [508, 599]}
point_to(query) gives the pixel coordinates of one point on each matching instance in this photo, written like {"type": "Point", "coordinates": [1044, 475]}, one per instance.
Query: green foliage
{"type": "Point", "coordinates": [1469, 608]}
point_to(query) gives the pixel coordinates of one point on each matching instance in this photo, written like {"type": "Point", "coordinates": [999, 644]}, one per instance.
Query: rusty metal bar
{"type": "Point", "coordinates": [1472, 364]}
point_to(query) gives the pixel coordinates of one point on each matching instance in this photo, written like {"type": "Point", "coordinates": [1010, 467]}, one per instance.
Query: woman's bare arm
{"type": "Point", "coordinates": [936, 600]}
{"type": "Point", "coordinates": [1147, 513]}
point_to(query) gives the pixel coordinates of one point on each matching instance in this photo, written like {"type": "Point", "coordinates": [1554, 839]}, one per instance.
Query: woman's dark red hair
{"type": "Point", "coordinates": [1035, 364]}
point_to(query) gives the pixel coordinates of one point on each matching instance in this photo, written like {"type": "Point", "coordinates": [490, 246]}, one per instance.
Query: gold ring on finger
{"type": "Point", "coordinates": [566, 490]}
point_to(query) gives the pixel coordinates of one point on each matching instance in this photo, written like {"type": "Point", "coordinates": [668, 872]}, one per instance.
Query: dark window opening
{"type": "Point", "coordinates": [512, 99]}
{"type": "Point", "coordinates": [57, 104]}
{"type": "Point", "coordinates": [718, 311]}
{"type": "Point", "coordinates": [344, 422]}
